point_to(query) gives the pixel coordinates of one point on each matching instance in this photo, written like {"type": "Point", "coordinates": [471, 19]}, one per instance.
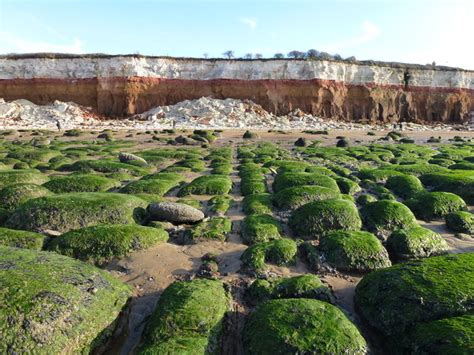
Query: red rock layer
{"type": "Point", "coordinates": [325, 98]}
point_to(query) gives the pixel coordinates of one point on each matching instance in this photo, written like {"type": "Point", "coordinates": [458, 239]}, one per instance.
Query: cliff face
{"type": "Point", "coordinates": [118, 86]}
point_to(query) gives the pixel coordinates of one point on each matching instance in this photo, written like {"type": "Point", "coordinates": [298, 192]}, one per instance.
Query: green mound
{"type": "Point", "coordinates": [303, 286]}
{"type": "Point", "coordinates": [220, 204]}
{"type": "Point", "coordinates": [291, 179]}
{"type": "Point", "coordinates": [456, 183]}
{"type": "Point", "coordinates": [432, 205]}
{"type": "Point", "coordinates": [347, 186]}
{"type": "Point", "coordinates": [187, 320]}
{"type": "Point", "coordinates": [21, 239]}
{"type": "Point", "coordinates": [52, 304]}
{"type": "Point", "coordinates": [294, 197]}
{"type": "Point", "coordinates": [80, 183]}
{"type": "Point", "coordinates": [321, 217]}
{"type": "Point", "coordinates": [65, 212]}
{"type": "Point", "coordinates": [415, 242]}
{"type": "Point", "coordinates": [354, 251]}
{"type": "Point", "coordinates": [385, 216]}
{"type": "Point", "coordinates": [215, 228]}
{"type": "Point", "coordinates": [257, 204]}
{"type": "Point", "coordinates": [460, 222]}
{"type": "Point", "coordinates": [449, 336]}
{"type": "Point", "coordinates": [253, 185]}
{"type": "Point", "coordinates": [157, 184]}
{"type": "Point", "coordinates": [208, 185]}
{"type": "Point", "coordinates": [260, 228]}
{"type": "Point", "coordinates": [395, 299]}
{"type": "Point", "coordinates": [279, 252]}
{"type": "Point", "coordinates": [10, 177]}
{"type": "Point", "coordinates": [103, 242]}
{"type": "Point", "coordinates": [404, 186]}
{"type": "Point", "coordinates": [105, 166]}
{"type": "Point", "coordinates": [301, 326]}
{"type": "Point", "coordinates": [14, 195]}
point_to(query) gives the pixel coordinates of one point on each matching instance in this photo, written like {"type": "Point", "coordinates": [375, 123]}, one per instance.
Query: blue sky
{"type": "Point", "coordinates": [418, 31]}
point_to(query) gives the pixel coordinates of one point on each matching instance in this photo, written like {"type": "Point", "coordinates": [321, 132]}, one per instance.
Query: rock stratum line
{"type": "Point", "coordinates": [127, 85]}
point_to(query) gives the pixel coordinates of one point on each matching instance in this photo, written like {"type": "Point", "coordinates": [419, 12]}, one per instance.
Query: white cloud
{"type": "Point", "coordinates": [369, 32]}
{"type": "Point", "coordinates": [14, 44]}
{"type": "Point", "coordinates": [250, 22]}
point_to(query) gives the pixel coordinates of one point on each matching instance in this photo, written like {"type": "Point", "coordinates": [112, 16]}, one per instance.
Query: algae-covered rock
{"type": "Point", "coordinates": [80, 183]}
{"type": "Point", "coordinates": [321, 217]}
{"type": "Point", "coordinates": [25, 176]}
{"type": "Point", "coordinates": [431, 205]}
{"type": "Point", "coordinates": [347, 186]}
{"type": "Point", "coordinates": [385, 216]}
{"type": "Point", "coordinates": [260, 228]}
{"type": "Point", "coordinates": [302, 286]}
{"type": "Point", "coordinates": [52, 304]}
{"type": "Point", "coordinates": [415, 242]}
{"type": "Point", "coordinates": [208, 185]}
{"type": "Point", "coordinates": [215, 228]}
{"type": "Point", "coordinates": [187, 320]}
{"type": "Point", "coordinates": [278, 251]}
{"type": "Point", "coordinates": [106, 241]}
{"type": "Point", "coordinates": [220, 204]}
{"type": "Point", "coordinates": [291, 179]}
{"type": "Point", "coordinates": [294, 197]}
{"type": "Point", "coordinates": [354, 251]}
{"type": "Point", "coordinates": [257, 204]}
{"type": "Point", "coordinates": [14, 195]}
{"type": "Point", "coordinates": [395, 299]}
{"type": "Point", "coordinates": [66, 212]}
{"type": "Point", "coordinates": [21, 239]}
{"type": "Point", "coordinates": [301, 326]}
{"type": "Point", "coordinates": [460, 222]}
{"type": "Point", "coordinates": [404, 186]}
{"type": "Point", "coordinates": [174, 212]}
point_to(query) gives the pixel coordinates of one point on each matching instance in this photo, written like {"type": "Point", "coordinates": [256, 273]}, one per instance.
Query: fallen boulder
{"type": "Point", "coordinates": [174, 212]}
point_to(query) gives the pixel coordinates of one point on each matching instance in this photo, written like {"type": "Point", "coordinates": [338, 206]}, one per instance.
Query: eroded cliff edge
{"type": "Point", "coordinates": [125, 85]}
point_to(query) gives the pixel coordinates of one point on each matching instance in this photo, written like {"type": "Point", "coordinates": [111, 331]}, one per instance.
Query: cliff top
{"type": "Point", "coordinates": [105, 56]}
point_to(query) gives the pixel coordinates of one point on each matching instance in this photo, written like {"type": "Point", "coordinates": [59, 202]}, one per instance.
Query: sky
{"type": "Point", "coordinates": [412, 31]}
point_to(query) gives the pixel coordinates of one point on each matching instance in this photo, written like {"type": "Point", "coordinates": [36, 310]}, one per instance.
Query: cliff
{"type": "Point", "coordinates": [125, 85]}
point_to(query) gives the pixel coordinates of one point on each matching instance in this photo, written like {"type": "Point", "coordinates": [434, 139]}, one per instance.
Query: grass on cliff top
{"type": "Point", "coordinates": [54, 304]}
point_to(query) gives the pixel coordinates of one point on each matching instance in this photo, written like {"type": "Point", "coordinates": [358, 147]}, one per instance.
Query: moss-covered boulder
{"type": "Point", "coordinates": [215, 228]}
{"type": "Point", "coordinates": [66, 212]}
{"type": "Point", "coordinates": [354, 251]}
{"type": "Point", "coordinates": [105, 166]}
{"type": "Point", "coordinates": [405, 186]}
{"type": "Point", "coordinates": [219, 204]}
{"type": "Point", "coordinates": [322, 217]}
{"type": "Point", "coordinates": [395, 299]}
{"type": "Point", "coordinates": [52, 304]}
{"type": "Point", "coordinates": [347, 186]}
{"type": "Point", "coordinates": [432, 205]}
{"type": "Point", "coordinates": [251, 185]}
{"type": "Point", "coordinates": [460, 222]}
{"type": "Point", "coordinates": [449, 336]}
{"type": "Point", "coordinates": [25, 176]}
{"type": "Point", "coordinates": [188, 319]}
{"type": "Point", "coordinates": [278, 251]}
{"type": "Point", "coordinates": [415, 242]}
{"type": "Point", "coordinates": [208, 185]}
{"type": "Point", "coordinates": [294, 197]}
{"type": "Point", "coordinates": [385, 216]}
{"type": "Point", "coordinates": [301, 326]}
{"type": "Point", "coordinates": [260, 228]}
{"type": "Point", "coordinates": [21, 239]}
{"type": "Point", "coordinates": [257, 204]}
{"type": "Point", "coordinates": [80, 183]}
{"type": "Point", "coordinates": [157, 184]}
{"type": "Point", "coordinates": [457, 183]}
{"type": "Point", "coordinates": [302, 286]}
{"type": "Point", "coordinates": [290, 179]}
{"type": "Point", "coordinates": [104, 242]}
{"type": "Point", "coordinates": [14, 195]}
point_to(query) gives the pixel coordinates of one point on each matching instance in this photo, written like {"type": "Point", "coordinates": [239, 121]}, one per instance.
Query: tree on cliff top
{"type": "Point", "coordinates": [296, 54]}
{"type": "Point", "coordinates": [278, 56]}
{"type": "Point", "coordinates": [228, 54]}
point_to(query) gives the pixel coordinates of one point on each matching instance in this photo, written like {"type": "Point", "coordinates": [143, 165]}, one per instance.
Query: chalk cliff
{"type": "Point", "coordinates": [125, 85]}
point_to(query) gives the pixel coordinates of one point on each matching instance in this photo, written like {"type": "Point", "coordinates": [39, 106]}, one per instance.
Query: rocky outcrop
{"type": "Point", "coordinates": [126, 85]}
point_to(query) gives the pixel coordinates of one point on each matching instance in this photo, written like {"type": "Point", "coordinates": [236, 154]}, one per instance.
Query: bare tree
{"type": "Point", "coordinates": [248, 56]}
{"type": "Point", "coordinates": [258, 56]}
{"type": "Point", "coordinates": [296, 54]}
{"type": "Point", "coordinates": [278, 56]}
{"type": "Point", "coordinates": [228, 54]}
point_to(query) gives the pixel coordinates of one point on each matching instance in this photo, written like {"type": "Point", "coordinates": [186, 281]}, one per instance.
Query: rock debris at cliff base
{"type": "Point", "coordinates": [200, 113]}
